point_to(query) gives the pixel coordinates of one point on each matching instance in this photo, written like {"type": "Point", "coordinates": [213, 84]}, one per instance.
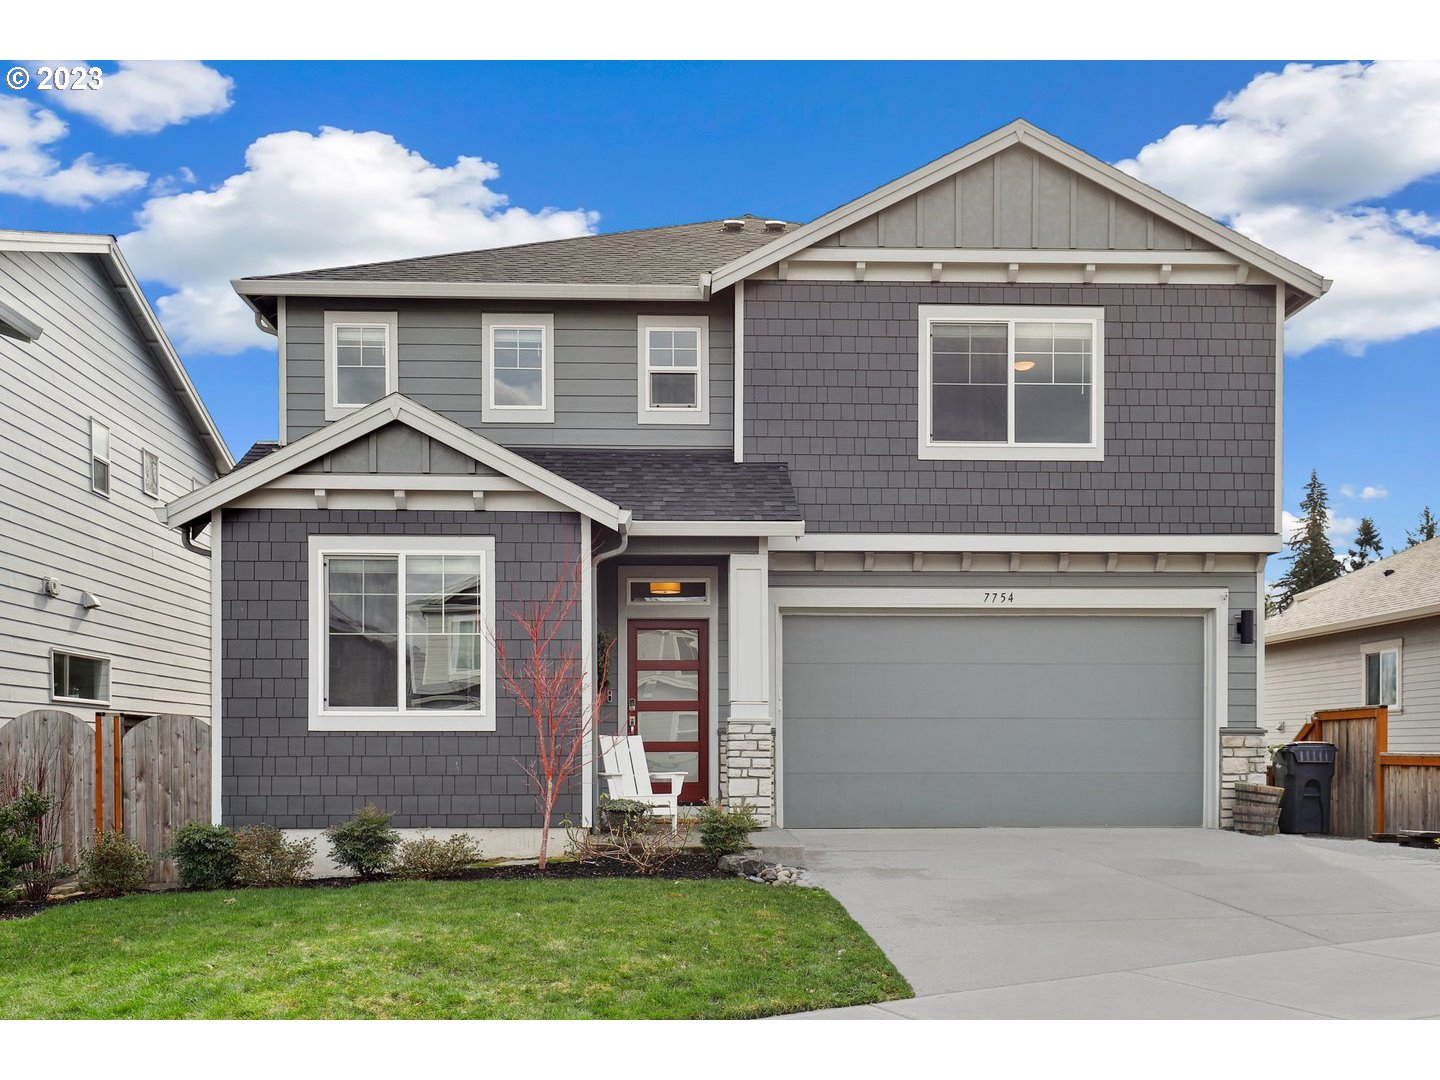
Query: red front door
{"type": "Point", "coordinates": [668, 690]}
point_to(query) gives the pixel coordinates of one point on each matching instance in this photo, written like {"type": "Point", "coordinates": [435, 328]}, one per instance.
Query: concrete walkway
{"type": "Point", "coordinates": [1137, 924]}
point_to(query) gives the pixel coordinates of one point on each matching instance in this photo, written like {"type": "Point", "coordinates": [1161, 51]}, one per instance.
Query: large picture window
{"type": "Point", "coordinates": [401, 639]}
{"type": "Point", "coordinates": [520, 369]}
{"type": "Point", "coordinates": [1011, 383]}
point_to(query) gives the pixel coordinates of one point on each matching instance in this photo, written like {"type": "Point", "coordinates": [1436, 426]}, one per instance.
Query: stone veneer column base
{"type": "Point", "coordinates": [747, 767]}
{"type": "Point", "coordinates": [1243, 760]}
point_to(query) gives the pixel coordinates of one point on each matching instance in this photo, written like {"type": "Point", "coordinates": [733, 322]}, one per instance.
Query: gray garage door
{"type": "Point", "coordinates": [967, 720]}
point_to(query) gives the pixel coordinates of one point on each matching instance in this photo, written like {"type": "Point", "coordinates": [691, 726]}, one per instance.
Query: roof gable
{"type": "Point", "coordinates": [1020, 166]}
{"type": "Point", "coordinates": [394, 437]}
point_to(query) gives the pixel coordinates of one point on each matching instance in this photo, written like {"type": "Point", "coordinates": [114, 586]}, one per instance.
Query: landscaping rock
{"type": "Point", "coordinates": [745, 864]}
{"type": "Point", "coordinates": [750, 866]}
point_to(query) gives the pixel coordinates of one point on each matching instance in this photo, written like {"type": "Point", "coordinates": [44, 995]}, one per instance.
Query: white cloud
{"type": "Point", "coordinates": [29, 168]}
{"type": "Point", "coordinates": [1340, 530]}
{"type": "Point", "coordinates": [306, 201]}
{"type": "Point", "coordinates": [1366, 493]}
{"type": "Point", "coordinates": [1290, 160]}
{"type": "Point", "coordinates": [144, 96]}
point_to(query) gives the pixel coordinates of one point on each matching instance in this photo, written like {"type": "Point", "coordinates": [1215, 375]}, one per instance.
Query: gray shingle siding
{"type": "Point", "coordinates": [275, 770]}
{"type": "Point", "coordinates": [831, 388]}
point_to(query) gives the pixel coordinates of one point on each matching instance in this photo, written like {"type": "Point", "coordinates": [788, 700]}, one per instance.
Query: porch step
{"type": "Point", "coordinates": [778, 845]}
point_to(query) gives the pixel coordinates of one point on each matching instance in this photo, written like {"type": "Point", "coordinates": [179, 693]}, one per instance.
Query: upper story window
{"type": "Point", "coordinates": [79, 678]}
{"type": "Point", "coordinates": [99, 458]}
{"type": "Point", "coordinates": [360, 359]}
{"type": "Point", "coordinates": [1019, 384]}
{"type": "Point", "coordinates": [674, 370]}
{"type": "Point", "coordinates": [1382, 673]}
{"type": "Point", "coordinates": [519, 369]}
{"type": "Point", "coordinates": [150, 473]}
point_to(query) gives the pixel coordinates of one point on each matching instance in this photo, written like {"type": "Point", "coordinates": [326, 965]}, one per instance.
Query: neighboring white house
{"type": "Point", "coordinates": [102, 606]}
{"type": "Point", "coordinates": [1369, 638]}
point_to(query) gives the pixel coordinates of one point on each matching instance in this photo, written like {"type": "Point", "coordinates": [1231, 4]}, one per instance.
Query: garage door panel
{"type": "Point", "coordinates": [900, 747]}
{"type": "Point", "coordinates": [973, 720]}
{"type": "Point", "coordinates": [865, 800]}
{"type": "Point", "coordinates": [988, 639]}
{"type": "Point", "coordinates": [1017, 691]}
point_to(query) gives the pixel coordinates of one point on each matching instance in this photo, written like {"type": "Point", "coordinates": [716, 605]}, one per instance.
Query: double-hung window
{"type": "Point", "coordinates": [399, 633]}
{"type": "Point", "coordinates": [1019, 384]}
{"type": "Point", "coordinates": [673, 373]}
{"type": "Point", "coordinates": [1382, 673]}
{"type": "Point", "coordinates": [99, 458]}
{"type": "Point", "coordinates": [360, 359]}
{"type": "Point", "coordinates": [519, 369]}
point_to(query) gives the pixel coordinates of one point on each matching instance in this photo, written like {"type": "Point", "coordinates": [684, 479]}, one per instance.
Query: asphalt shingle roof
{"type": "Point", "coordinates": [256, 452]}
{"type": "Point", "coordinates": [672, 255]}
{"type": "Point", "coordinates": [1393, 588]}
{"type": "Point", "coordinates": [678, 485]}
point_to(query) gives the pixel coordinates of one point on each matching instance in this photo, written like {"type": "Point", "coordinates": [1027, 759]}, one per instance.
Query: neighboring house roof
{"type": "Point", "coordinates": [1404, 586]}
{"type": "Point", "coordinates": [679, 485]}
{"type": "Point", "coordinates": [128, 289]}
{"type": "Point", "coordinates": [256, 452]}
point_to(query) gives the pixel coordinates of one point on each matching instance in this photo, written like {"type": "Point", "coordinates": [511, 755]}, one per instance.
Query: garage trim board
{"type": "Point", "coordinates": [1210, 604]}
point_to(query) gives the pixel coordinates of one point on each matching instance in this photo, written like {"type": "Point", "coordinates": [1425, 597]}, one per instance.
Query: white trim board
{"type": "Point", "coordinates": [1046, 542]}
{"type": "Point", "coordinates": [217, 699]}
{"type": "Point", "coordinates": [1210, 603]}
{"type": "Point", "coordinates": [717, 528]}
{"type": "Point", "coordinates": [497, 290]}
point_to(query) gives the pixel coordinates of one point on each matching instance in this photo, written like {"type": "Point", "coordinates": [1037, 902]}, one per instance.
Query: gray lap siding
{"type": "Point", "coordinates": [275, 770]}
{"type": "Point", "coordinates": [831, 388]}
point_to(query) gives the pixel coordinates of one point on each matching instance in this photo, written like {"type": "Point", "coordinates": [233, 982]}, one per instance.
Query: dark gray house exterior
{"type": "Point", "coordinates": [937, 510]}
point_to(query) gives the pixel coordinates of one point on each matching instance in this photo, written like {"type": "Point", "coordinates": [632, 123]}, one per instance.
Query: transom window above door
{"type": "Point", "coordinates": [360, 359]}
{"type": "Point", "coordinates": [673, 372]}
{"type": "Point", "coordinates": [519, 369]}
{"type": "Point", "coordinates": [1021, 383]}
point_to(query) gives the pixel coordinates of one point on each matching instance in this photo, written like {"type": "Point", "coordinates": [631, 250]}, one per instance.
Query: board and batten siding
{"type": "Point", "coordinates": [596, 353]}
{"type": "Point", "coordinates": [1328, 673]}
{"type": "Point", "coordinates": [154, 618]}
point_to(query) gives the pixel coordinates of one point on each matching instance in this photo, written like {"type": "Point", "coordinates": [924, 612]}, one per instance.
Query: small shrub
{"type": "Point", "coordinates": [28, 864]}
{"type": "Point", "coordinates": [726, 831]}
{"type": "Point", "coordinates": [114, 865]}
{"type": "Point", "coordinates": [205, 855]}
{"type": "Point", "coordinates": [264, 857]}
{"type": "Point", "coordinates": [643, 845]}
{"type": "Point", "coordinates": [365, 844]}
{"type": "Point", "coordinates": [429, 858]}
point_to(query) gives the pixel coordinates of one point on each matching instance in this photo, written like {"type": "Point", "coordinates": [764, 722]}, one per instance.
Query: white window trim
{"type": "Point", "coordinates": [109, 677]}
{"type": "Point", "coordinates": [651, 414]}
{"type": "Point", "coordinates": [108, 459]}
{"type": "Point", "coordinates": [324, 718]}
{"type": "Point", "coordinates": [544, 413]}
{"type": "Point", "coordinates": [334, 319]}
{"type": "Point", "coordinates": [1395, 645]}
{"type": "Point", "coordinates": [145, 452]}
{"type": "Point", "coordinates": [1010, 451]}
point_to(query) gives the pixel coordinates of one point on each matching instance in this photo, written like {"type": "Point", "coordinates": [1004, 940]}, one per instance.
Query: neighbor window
{"type": "Point", "coordinates": [150, 473]}
{"type": "Point", "coordinates": [673, 377]}
{"type": "Point", "coordinates": [1382, 674]}
{"type": "Point", "coordinates": [99, 458]}
{"type": "Point", "coordinates": [360, 359]}
{"type": "Point", "coordinates": [79, 678]}
{"type": "Point", "coordinates": [1011, 383]}
{"type": "Point", "coordinates": [519, 369]}
{"type": "Point", "coordinates": [403, 644]}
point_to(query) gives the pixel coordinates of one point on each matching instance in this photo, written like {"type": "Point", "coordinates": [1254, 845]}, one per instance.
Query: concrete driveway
{"type": "Point", "coordinates": [1131, 923]}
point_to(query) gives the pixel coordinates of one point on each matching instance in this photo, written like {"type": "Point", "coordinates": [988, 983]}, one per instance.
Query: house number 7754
{"type": "Point", "coordinates": [999, 598]}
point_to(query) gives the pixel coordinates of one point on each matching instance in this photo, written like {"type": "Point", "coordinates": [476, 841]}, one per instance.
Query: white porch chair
{"type": "Point", "coordinates": [627, 775]}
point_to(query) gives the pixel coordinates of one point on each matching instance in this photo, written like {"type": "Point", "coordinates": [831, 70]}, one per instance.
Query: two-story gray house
{"type": "Point", "coordinates": [948, 508]}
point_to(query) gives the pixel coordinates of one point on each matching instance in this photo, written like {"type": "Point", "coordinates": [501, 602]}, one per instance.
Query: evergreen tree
{"type": "Point", "coordinates": [1367, 546]}
{"type": "Point", "coordinates": [1312, 557]}
{"type": "Point", "coordinates": [1425, 531]}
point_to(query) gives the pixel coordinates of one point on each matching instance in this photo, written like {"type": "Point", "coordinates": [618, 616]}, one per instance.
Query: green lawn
{"type": "Point", "coordinates": [613, 948]}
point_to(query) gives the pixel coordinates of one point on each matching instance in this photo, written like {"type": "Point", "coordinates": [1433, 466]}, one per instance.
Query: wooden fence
{"type": "Point", "coordinates": [1375, 791]}
{"type": "Point", "coordinates": [145, 782]}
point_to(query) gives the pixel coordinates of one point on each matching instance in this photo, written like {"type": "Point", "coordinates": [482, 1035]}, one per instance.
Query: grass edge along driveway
{"type": "Point", "coordinates": [610, 948]}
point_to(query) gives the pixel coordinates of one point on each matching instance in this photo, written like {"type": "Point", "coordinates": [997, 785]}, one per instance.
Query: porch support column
{"type": "Point", "coordinates": [747, 745]}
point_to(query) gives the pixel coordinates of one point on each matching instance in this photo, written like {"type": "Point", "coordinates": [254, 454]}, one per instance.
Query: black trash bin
{"type": "Point", "coordinates": [1305, 770]}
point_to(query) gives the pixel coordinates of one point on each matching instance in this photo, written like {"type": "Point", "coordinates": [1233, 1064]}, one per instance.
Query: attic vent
{"type": "Point", "coordinates": [774, 225]}
{"type": "Point", "coordinates": [1389, 570]}
{"type": "Point", "coordinates": [733, 224]}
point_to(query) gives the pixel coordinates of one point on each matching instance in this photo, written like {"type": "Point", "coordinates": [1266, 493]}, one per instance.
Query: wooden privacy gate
{"type": "Point", "coordinates": [144, 782]}
{"type": "Point", "coordinates": [1375, 791]}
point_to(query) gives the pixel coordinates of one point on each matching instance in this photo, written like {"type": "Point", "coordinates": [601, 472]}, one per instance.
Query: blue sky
{"type": "Point", "coordinates": [1333, 165]}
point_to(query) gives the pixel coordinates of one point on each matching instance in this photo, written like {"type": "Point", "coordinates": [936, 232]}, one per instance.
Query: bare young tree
{"type": "Point", "coordinates": [546, 675]}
